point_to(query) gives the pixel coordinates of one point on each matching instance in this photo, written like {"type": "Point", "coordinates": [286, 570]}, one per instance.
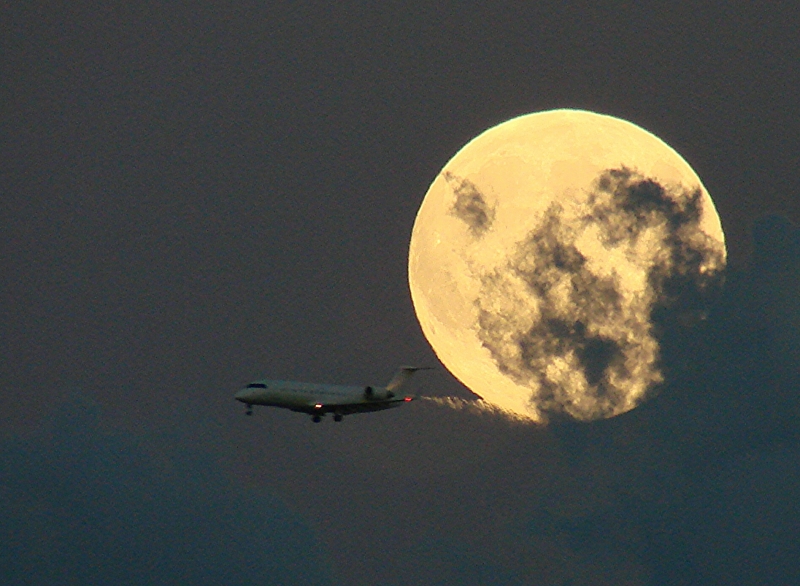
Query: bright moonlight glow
{"type": "Point", "coordinates": [541, 252]}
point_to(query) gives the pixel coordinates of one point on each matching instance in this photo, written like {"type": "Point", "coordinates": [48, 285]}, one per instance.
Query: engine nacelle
{"type": "Point", "coordinates": [381, 394]}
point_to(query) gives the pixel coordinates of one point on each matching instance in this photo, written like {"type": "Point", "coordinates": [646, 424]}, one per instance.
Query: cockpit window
{"type": "Point", "coordinates": [256, 386]}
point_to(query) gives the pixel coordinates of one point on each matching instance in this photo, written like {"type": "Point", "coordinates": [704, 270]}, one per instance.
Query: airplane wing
{"type": "Point", "coordinates": [350, 408]}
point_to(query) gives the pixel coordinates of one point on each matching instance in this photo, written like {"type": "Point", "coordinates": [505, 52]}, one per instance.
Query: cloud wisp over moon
{"type": "Point", "coordinates": [572, 312]}
{"type": "Point", "coordinates": [470, 205]}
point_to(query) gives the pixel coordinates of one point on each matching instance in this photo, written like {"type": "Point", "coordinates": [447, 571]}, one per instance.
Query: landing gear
{"type": "Point", "coordinates": [249, 410]}
{"type": "Point", "coordinates": [338, 417]}
{"type": "Point", "coordinates": [316, 418]}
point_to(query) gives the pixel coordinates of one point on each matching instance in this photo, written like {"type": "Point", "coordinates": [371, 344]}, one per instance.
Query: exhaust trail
{"type": "Point", "coordinates": [475, 407]}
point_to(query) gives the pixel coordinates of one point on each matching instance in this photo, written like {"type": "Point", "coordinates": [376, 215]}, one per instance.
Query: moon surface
{"type": "Point", "coordinates": [543, 252]}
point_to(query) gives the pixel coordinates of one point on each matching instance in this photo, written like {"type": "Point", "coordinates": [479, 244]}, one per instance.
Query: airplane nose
{"type": "Point", "coordinates": [243, 395]}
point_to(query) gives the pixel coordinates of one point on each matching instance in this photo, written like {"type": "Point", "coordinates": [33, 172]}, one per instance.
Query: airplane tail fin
{"type": "Point", "coordinates": [402, 375]}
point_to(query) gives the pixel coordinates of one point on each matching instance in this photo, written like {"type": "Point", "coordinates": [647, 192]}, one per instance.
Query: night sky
{"type": "Point", "coordinates": [195, 195]}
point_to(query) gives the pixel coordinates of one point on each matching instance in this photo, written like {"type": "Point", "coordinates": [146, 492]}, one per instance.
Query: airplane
{"type": "Point", "coordinates": [318, 399]}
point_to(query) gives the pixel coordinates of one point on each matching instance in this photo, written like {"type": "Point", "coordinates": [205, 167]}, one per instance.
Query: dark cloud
{"type": "Point", "coordinates": [704, 486]}
{"type": "Point", "coordinates": [746, 355]}
{"type": "Point", "coordinates": [678, 280]}
{"type": "Point", "coordinates": [575, 307]}
{"type": "Point", "coordinates": [470, 205]}
{"type": "Point", "coordinates": [85, 506]}
{"type": "Point", "coordinates": [776, 243]}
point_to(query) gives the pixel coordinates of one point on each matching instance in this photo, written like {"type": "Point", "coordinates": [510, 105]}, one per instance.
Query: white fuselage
{"type": "Point", "coordinates": [319, 399]}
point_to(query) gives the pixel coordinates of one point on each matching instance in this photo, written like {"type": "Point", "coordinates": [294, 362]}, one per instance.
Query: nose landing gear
{"type": "Point", "coordinates": [249, 410]}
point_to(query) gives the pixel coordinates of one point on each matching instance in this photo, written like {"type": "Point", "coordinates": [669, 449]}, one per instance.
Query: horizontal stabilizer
{"type": "Point", "coordinates": [402, 375]}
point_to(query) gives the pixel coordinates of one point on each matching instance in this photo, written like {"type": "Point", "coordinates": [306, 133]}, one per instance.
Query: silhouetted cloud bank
{"type": "Point", "coordinates": [701, 484]}
{"type": "Point", "coordinates": [83, 506]}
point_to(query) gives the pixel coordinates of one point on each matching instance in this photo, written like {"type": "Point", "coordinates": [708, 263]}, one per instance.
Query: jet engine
{"type": "Point", "coordinates": [372, 393]}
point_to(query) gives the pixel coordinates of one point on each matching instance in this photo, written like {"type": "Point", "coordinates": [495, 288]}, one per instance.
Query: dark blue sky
{"type": "Point", "coordinates": [195, 195]}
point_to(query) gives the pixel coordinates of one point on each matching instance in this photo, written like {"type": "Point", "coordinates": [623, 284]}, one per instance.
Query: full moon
{"type": "Point", "coordinates": [543, 252]}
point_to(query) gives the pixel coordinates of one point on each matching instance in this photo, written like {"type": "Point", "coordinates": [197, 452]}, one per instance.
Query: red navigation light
{"type": "Point", "coordinates": [407, 399]}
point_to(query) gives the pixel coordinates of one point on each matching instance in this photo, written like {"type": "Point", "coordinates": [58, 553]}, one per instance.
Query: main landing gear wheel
{"type": "Point", "coordinates": [338, 417]}
{"type": "Point", "coordinates": [316, 418]}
